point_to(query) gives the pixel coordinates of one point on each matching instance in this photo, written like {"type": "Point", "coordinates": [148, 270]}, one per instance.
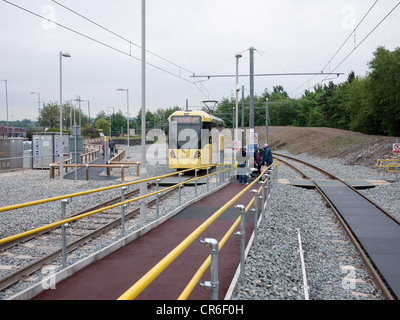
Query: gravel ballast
{"type": "Point", "coordinates": [334, 270]}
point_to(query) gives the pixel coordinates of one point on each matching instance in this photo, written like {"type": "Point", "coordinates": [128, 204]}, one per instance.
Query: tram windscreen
{"type": "Point", "coordinates": [185, 132]}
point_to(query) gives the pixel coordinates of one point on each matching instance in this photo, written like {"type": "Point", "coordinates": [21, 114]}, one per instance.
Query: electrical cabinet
{"type": "Point", "coordinates": [47, 148]}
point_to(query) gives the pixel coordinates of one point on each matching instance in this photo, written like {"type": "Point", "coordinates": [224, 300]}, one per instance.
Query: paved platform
{"type": "Point", "coordinates": [110, 277]}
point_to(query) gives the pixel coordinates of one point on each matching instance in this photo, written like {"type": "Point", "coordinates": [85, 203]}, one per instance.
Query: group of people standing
{"type": "Point", "coordinates": [262, 157]}
{"type": "Point", "coordinates": [112, 147]}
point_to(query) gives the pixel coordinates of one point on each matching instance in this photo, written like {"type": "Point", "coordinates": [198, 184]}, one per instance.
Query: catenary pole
{"type": "Point", "coordinates": [143, 170]}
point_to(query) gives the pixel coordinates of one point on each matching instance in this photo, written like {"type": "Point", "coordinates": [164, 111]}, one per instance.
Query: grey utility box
{"type": "Point", "coordinates": [46, 149]}
{"type": "Point", "coordinates": [11, 153]}
{"type": "Point", "coordinates": [75, 152]}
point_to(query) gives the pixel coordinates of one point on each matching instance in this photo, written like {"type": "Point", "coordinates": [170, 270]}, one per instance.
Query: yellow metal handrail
{"type": "Point", "coordinates": [197, 276]}
{"type": "Point", "coordinates": [153, 273]}
{"type": "Point", "coordinates": [32, 203]}
{"type": "Point", "coordinates": [388, 163]}
{"type": "Point", "coordinates": [61, 222]}
{"type": "Point", "coordinates": [393, 165]}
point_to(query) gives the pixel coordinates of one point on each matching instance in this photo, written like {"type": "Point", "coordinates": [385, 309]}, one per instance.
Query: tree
{"type": "Point", "coordinates": [118, 121]}
{"type": "Point", "coordinates": [104, 125]}
{"type": "Point", "coordinates": [72, 114]}
{"type": "Point", "coordinates": [49, 115]}
{"type": "Point", "coordinates": [384, 90]}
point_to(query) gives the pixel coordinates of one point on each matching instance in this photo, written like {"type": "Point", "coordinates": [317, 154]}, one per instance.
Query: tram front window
{"type": "Point", "coordinates": [185, 132]}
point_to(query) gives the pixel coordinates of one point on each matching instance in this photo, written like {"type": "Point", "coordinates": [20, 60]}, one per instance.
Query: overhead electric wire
{"type": "Point", "coordinates": [106, 45]}
{"type": "Point", "coordinates": [365, 38]}
{"type": "Point", "coordinates": [261, 53]}
{"type": "Point", "coordinates": [119, 36]}
{"type": "Point", "coordinates": [355, 29]}
{"type": "Point", "coordinates": [340, 48]}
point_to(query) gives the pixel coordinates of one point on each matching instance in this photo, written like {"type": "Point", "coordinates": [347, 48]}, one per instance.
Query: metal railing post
{"type": "Point", "coordinates": [262, 197]}
{"type": "Point", "coordinates": [123, 207]}
{"type": "Point", "coordinates": [180, 180]}
{"type": "Point", "coordinates": [195, 182]}
{"type": "Point", "coordinates": [242, 235]}
{"type": "Point", "coordinates": [271, 181]}
{"type": "Point", "coordinates": [157, 198]}
{"type": "Point", "coordinates": [275, 176]}
{"type": "Point", "coordinates": [267, 191]}
{"type": "Point", "coordinates": [208, 172]}
{"type": "Point", "coordinates": [213, 284]}
{"type": "Point", "coordinates": [64, 203]}
{"type": "Point", "coordinates": [123, 189]}
{"type": "Point", "coordinates": [255, 210]}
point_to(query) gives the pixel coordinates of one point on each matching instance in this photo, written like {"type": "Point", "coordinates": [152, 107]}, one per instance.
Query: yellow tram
{"type": "Point", "coordinates": [194, 140]}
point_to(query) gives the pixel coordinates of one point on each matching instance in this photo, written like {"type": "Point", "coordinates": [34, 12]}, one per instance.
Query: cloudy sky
{"type": "Point", "coordinates": [184, 37]}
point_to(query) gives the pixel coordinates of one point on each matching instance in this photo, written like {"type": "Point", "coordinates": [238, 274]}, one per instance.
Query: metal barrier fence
{"type": "Point", "coordinates": [388, 164]}
{"type": "Point", "coordinates": [65, 200]}
{"type": "Point", "coordinates": [152, 274]}
{"type": "Point", "coordinates": [391, 165]}
{"type": "Point", "coordinates": [222, 174]}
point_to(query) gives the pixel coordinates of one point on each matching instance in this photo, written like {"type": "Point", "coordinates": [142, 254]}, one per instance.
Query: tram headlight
{"type": "Point", "coordinates": [197, 154]}
{"type": "Point", "coordinates": [172, 154]}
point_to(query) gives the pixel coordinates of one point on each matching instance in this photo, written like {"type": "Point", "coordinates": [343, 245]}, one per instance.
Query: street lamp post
{"type": "Point", "coordinates": [143, 169]}
{"type": "Point", "coordinates": [38, 93]}
{"type": "Point", "coordinates": [88, 102]}
{"type": "Point", "coordinates": [61, 143]}
{"type": "Point", "coordinates": [111, 117]}
{"type": "Point", "coordinates": [6, 104]}
{"type": "Point", "coordinates": [127, 110]}
{"type": "Point", "coordinates": [237, 89]}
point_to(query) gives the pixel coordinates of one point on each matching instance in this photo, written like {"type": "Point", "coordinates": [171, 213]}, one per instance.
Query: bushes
{"type": "Point", "coordinates": [90, 132]}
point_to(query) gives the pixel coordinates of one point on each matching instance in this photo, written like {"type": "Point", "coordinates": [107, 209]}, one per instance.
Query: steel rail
{"type": "Point", "coordinates": [36, 265]}
{"type": "Point", "coordinates": [128, 195]}
{"type": "Point", "coordinates": [369, 264]}
{"type": "Point", "coordinates": [110, 204]}
{"type": "Point", "coordinates": [73, 195]}
{"type": "Point", "coordinates": [71, 219]}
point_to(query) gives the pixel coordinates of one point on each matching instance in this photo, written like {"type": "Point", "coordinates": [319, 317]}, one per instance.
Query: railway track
{"type": "Point", "coordinates": [366, 244]}
{"type": "Point", "coordinates": [46, 246]}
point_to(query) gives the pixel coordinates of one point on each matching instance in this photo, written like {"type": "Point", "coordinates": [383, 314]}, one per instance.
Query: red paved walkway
{"type": "Point", "coordinates": [110, 277]}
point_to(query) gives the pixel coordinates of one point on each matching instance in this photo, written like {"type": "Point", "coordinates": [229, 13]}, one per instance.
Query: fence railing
{"type": "Point", "coordinates": [78, 194]}
{"type": "Point", "coordinates": [222, 173]}
{"type": "Point", "coordinates": [153, 273]}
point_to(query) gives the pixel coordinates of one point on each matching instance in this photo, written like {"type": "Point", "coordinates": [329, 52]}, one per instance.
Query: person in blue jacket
{"type": "Point", "coordinates": [267, 156]}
